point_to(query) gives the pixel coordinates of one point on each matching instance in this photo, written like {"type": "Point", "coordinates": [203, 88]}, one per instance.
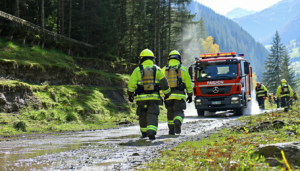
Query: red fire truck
{"type": "Point", "coordinates": [222, 81]}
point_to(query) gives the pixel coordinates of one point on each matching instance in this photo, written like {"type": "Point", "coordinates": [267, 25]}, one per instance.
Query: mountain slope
{"type": "Point", "coordinates": [230, 36]}
{"type": "Point", "coordinates": [289, 31]}
{"type": "Point", "coordinates": [267, 21]}
{"type": "Point", "coordinates": [238, 13]}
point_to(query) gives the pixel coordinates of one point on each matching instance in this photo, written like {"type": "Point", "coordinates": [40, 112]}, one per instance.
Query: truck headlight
{"type": "Point", "coordinates": [198, 101]}
{"type": "Point", "coordinates": [234, 98]}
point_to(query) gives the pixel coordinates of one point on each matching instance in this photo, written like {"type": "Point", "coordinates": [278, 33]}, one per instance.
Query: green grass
{"type": "Point", "coordinates": [70, 108]}
{"type": "Point", "coordinates": [64, 107]}
{"type": "Point", "coordinates": [235, 145]}
{"type": "Point", "coordinates": [33, 56]}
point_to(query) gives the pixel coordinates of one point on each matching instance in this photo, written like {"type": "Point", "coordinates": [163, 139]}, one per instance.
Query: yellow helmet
{"type": "Point", "coordinates": [283, 81]}
{"type": "Point", "coordinates": [147, 53]}
{"type": "Point", "coordinates": [174, 54]}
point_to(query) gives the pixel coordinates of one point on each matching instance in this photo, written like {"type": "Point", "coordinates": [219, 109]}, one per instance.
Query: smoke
{"type": "Point", "coordinates": [252, 107]}
{"type": "Point", "coordinates": [190, 44]}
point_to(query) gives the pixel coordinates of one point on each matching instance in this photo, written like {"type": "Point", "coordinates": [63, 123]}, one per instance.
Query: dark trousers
{"type": "Point", "coordinates": [175, 111]}
{"type": "Point", "coordinates": [285, 103]}
{"type": "Point", "coordinates": [261, 103]}
{"type": "Point", "coordinates": [148, 112]}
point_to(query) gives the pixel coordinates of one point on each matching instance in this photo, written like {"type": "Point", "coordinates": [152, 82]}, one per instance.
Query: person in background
{"type": "Point", "coordinates": [180, 84]}
{"type": "Point", "coordinates": [284, 92]}
{"type": "Point", "coordinates": [261, 95]}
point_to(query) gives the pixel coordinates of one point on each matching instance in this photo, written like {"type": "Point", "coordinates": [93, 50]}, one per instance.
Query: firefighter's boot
{"type": "Point", "coordinates": [151, 134]}
{"type": "Point", "coordinates": [171, 131]}
{"type": "Point", "coordinates": [177, 126]}
{"type": "Point", "coordinates": [144, 135]}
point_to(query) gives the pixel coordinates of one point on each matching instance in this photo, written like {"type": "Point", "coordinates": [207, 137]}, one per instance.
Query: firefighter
{"type": "Point", "coordinates": [261, 95]}
{"type": "Point", "coordinates": [284, 93]}
{"type": "Point", "coordinates": [179, 82]}
{"type": "Point", "coordinates": [144, 86]}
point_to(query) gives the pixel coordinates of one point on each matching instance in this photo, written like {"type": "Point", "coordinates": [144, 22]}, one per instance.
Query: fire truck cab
{"type": "Point", "coordinates": [222, 81]}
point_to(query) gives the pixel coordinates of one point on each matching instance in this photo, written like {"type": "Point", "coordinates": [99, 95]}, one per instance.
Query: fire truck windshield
{"type": "Point", "coordinates": [217, 72]}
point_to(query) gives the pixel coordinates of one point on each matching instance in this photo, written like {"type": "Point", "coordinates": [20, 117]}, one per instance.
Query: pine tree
{"type": "Point", "coordinates": [272, 66]}
{"type": "Point", "coordinates": [287, 71]}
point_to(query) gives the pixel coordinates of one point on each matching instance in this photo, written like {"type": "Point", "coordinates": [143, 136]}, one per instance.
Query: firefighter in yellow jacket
{"type": "Point", "coordinates": [261, 95]}
{"type": "Point", "coordinates": [284, 92]}
{"type": "Point", "coordinates": [180, 84]}
{"type": "Point", "coordinates": [144, 86]}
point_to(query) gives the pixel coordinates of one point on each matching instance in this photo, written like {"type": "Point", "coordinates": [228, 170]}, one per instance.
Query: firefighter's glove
{"type": "Point", "coordinates": [131, 98]}
{"type": "Point", "coordinates": [167, 96]}
{"type": "Point", "coordinates": [189, 100]}
{"type": "Point", "coordinates": [265, 98]}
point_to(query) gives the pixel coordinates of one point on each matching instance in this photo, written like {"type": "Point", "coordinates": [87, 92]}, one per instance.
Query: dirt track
{"type": "Point", "coordinates": [113, 149]}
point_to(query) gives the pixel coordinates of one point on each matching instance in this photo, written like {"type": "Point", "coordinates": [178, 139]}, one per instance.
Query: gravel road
{"type": "Point", "coordinates": [112, 149]}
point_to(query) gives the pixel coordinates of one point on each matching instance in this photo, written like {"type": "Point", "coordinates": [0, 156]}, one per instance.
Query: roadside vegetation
{"type": "Point", "coordinates": [33, 56]}
{"type": "Point", "coordinates": [60, 108]}
{"type": "Point", "coordinates": [234, 148]}
{"type": "Point", "coordinates": [69, 108]}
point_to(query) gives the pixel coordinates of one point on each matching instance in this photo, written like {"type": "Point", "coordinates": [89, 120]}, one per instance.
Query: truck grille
{"type": "Point", "coordinates": [209, 90]}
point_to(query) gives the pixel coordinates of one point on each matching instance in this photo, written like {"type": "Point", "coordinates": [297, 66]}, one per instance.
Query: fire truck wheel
{"type": "Point", "coordinates": [200, 112]}
{"type": "Point", "coordinates": [239, 112]}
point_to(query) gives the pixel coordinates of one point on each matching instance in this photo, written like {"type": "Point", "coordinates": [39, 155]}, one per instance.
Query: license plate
{"type": "Point", "coordinates": [216, 102]}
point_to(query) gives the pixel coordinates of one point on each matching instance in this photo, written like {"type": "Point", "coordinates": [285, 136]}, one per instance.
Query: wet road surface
{"type": "Point", "coordinates": [112, 149]}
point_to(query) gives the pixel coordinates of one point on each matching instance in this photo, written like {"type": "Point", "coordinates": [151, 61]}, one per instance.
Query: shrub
{"type": "Point", "coordinates": [71, 116]}
{"type": "Point", "coordinates": [42, 115]}
{"type": "Point", "coordinates": [21, 125]}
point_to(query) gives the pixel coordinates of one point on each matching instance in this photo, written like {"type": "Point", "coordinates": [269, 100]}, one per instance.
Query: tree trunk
{"type": "Point", "coordinates": [17, 13]}
{"type": "Point", "coordinates": [42, 15]}
{"type": "Point", "coordinates": [120, 25]}
{"type": "Point", "coordinates": [70, 18]}
{"type": "Point", "coordinates": [163, 30]}
{"type": "Point", "coordinates": [169, 42]}
{"type": "Point", "coordinates": [58, 16]}
{"type": "Point", "coordinates": [154, 41]}
{"type": "Point", "coordinates": [131, 28]}
{"type": "Point", "coordinates": [62, 12]}
{"type": "Point", "coordinates": [37, 12]}
{"type": "Point", "coordinates": [4, 6]}
{"type": "Point", "coordinates": [83, 20]}
{"type": "Point", "coordinates": [158, 36]}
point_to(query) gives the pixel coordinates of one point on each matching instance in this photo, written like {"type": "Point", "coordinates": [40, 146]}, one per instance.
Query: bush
{"type": "Point", "coordinates": [21, 125]}
{"type": "Point", "coordinates": [33, 117]}
{"type": "Point", "coordinates": [71, 116]}
{"type": "Point", "coordinates": [53, 114]}
{"type": "Point", "coordinates": [42, 115]}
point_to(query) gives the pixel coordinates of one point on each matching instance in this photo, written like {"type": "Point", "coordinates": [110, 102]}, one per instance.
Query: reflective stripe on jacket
{"type": "Point", "coordinates": [135, 79]}
{"type": "Point", "coordinates": [279, 90]}
{"type": "Point", "coordinates": [261, 91]}
{"type": "Point", "coordinates": [176, 94]}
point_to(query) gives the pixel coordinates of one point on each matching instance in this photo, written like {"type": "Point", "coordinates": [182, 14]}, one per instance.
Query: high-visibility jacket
{"type": "Point", "coordinates": [135, 79]}
{"type": "Point", "coordinates": [261, 91]}
{"type": "Point", "coordinates": [282, 91]}
{"type": "Point", "coordinates": [177, 95]}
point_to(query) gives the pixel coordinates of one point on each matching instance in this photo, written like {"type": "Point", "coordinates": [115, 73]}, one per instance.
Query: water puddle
{"type": "Point", "coordinates": [123, 137]}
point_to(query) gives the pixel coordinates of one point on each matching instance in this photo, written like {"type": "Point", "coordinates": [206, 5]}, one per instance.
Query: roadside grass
{"type": "Point", "coordinates": [233, 148]}
{"type": "Point", "coordinates": [33, 56]}
{"type": "Point", "coordinates": [70, 108]}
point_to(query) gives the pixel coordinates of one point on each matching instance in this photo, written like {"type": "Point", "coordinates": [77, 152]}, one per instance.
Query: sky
{"type": "Point", "coordinates": [224, 6]}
